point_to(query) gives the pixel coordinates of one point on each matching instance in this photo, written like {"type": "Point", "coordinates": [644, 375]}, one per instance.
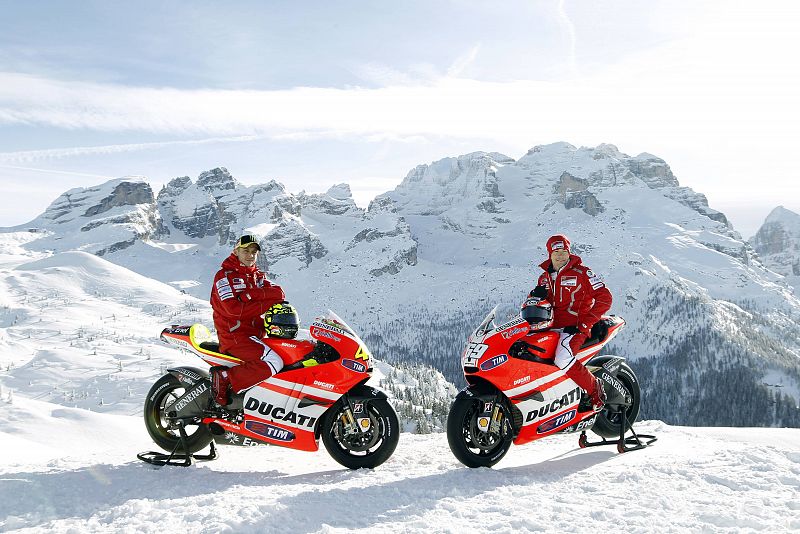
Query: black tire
{"type": "Point", "coordinates": [363, 449]}
{"type": "Point", "coordinates": [470, 445]}
{"type": "Point", "coordinates": [160, 397]}
{"type": "Point", "coordinates": [608, 422]}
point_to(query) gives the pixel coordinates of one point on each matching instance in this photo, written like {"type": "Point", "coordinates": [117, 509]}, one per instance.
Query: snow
{"type": "Point", "coordinates": [692, 479]}
{"type": "Point", "coordinates": [78, 351]}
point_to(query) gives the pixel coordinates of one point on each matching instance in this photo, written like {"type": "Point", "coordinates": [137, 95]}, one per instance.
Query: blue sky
{"type": "Point", "coordinates": [317, 93]}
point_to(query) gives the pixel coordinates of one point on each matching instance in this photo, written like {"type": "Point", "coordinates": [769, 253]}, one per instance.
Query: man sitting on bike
{"type": "Point", "coordinates": [579, 297]}
{"type": "Point", "coordinates": [240, 296]}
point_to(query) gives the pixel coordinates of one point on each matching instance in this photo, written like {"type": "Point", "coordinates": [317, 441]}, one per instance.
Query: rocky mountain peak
{"type": "Point", "coordinates": [217, 181]}
{"type": "Point", "coordinates": [781, 215]}
{"type": "Point", "coordinates": [778, 242]}
{"type": "Point", "coordinates": [340, 192]}
{"type": "Point", "coordinates": [175, 187]}
{"type": "Point", "coordinates": [652, 170]}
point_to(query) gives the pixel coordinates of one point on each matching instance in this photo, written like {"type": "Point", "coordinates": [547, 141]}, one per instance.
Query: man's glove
{"type": "Point", "coordinates": [539, 292]}
{"type": "Point", "coordinates": [571, 330]}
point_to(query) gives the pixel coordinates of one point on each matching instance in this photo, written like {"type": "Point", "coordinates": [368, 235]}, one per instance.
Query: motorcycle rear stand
{"type": "Point", "coordinates": [178, 459]}
{"type": "Point", "coordinates": [636, 441]}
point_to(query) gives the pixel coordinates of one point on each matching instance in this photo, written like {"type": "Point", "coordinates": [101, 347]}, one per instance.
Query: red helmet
{"type": "Point", "coordinates": [538, 312]}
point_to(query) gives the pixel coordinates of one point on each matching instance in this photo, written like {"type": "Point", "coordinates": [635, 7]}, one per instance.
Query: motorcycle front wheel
{"type": "Point", "coordinates": [160, 398]}
{"type": "Point", "coordinates": [355, 447]}
{"type": "Point", "coordinates": [472, 446]}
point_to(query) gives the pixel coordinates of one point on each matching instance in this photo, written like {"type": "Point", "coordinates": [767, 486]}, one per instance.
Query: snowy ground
{"type": "Point", "coordinates": [71, 470]}
{"type": "Point", "coordinates": [79, 349]}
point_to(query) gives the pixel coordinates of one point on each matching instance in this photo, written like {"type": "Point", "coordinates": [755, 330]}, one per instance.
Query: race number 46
{"type": "Point", "coordinates": [472, 353]}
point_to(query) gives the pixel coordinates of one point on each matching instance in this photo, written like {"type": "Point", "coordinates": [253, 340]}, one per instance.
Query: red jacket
{"type": "Point", "coordinates": [579, 296]}
{"type": "Point", "coordinates": [239, 297]}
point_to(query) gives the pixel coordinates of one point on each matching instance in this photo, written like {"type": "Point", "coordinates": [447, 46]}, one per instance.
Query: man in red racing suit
{"type": "Point", "coordinates": [579, 297]}
{"type": "Point", "coordinates": [240, 295]}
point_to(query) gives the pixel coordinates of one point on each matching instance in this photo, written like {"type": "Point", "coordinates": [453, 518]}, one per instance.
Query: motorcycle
{"type": "Point", "coordinates": [320, 392]}
{"type": "Point", "coordinates": [516, 394]}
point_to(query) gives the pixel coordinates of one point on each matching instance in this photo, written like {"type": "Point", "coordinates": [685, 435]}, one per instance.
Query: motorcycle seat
{"type": "Point", "coordinates": [211, 346]}
{"type": "Point", "coordinates": [599, 331]}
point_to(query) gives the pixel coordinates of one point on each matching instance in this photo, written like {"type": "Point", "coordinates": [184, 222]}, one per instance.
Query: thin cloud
{"type": "Point", "coordinates": [28, 156]}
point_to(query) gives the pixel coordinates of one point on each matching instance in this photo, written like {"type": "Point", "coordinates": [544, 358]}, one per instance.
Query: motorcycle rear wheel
{"type": "Point", "coordinates": [608, 423]}
{"type": "Point", "coordinates": [473, 447]}
{"type": "Point", "coordinates": [164, 392]}
{"type": "Point", "coordinates": [369, 448]}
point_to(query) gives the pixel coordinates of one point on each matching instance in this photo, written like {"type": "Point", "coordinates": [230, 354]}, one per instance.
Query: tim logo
{"type": "Point", "coordinates": [353, 365]}
{"type": "Point", "coordinates": [556, 422]}
{"type": "Point", "coordinates": [496, 361]}
{"type": "Point", "coordinates": [269, 431]}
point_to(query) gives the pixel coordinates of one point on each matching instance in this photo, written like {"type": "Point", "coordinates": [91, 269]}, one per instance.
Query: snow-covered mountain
{"type": "Point", "coordinates": [777, 242]}
{"type": "Point", "coordinates": [79, 331]}
{"type": "Point", "coordinates": [712, 333]}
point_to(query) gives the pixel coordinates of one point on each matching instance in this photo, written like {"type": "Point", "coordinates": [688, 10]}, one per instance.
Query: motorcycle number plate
{"type": "Point", "coordinates": [472, 353]}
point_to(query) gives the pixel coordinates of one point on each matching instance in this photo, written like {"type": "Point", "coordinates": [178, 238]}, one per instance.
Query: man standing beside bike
{"type": "Point", "coordinates": [579, 298]}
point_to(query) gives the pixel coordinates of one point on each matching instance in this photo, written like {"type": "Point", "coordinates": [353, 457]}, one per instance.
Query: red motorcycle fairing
{"type": "Point", "coordinates": [547, 400]}
{"type": "Point", "coordinates": [286, 408]}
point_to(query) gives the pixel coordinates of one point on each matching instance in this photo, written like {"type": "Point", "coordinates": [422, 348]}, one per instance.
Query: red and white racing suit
{"type": "Point", "coordinates": [579, 298]}
{"type": "Point", "coordinates": [239, 298]}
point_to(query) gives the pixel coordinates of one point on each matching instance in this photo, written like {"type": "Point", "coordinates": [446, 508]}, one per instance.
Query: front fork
{"type": "Point", "coordinates": [355, 418]}
{"type": "Point", "coordinates": [491, 418]}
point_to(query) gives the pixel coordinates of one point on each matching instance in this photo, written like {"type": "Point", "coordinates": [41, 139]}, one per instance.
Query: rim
{"type": "Point", "coordinates": [161, 408]}
{"type": "Point", "coordinates": [478, 442]}
{"type": "Point", "coordinates": [357, 443]}
{"type": "Point", "coordinates": [615, 417]}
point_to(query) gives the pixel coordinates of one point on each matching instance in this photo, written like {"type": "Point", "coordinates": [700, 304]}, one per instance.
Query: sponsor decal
{"type": "Point", "coordinates": [326, 334]}
{"type": "Point", "coordinates": [508, 334]}
{"type": "Point", "coordinates": [353, 365]}
{"type": "Point", "coordinates": [472, 353]}
{"type": "Point", "coordinates": [155, 394]}
{"type": "Point", "coordinates": [226, 424]}
{"type": "Point", "coordinates": [190, 397]}
{"type": "Point", "coordinates": [564, 401]}
{"type": "Point", "coordinates": [522, 380]}
{"type": "Point", "coordinates": [616, 384]}
{"type": "Point", "coordinates": [556, 422]}
{"type": "Point", "coordinates": [515, 322]}
{"type": "Point", "coordinates": [358, 407]}
{"type": "Point", "coordinates": [269, 431]}
{"type": "Point", "coordinates": [190, 377]}
{"type": "Point", "coordinates": [496, 361]}
{"type": "Point", "coordinates": [580, 426]}
{"type": "Point", "coordinates": [180, 342]}
{"type": "Point", "coordinates": [333, 327]}
{"type": "Point", "coordinates": [557, 245]}
{"type": "Point", "coordinates": [569, 281]}
{"type": "Point", "coordinates": [181, 331]}
{"type": "Point", "coordinates": [278, 414]}
{"type": "Point", "coordinates": [487, 406]}
{"type": "Point", "coordinates": [290, 345]}
{"type": "Point", "coordinates": [224, 289]}
{"type": "Point", "coordinates": [323, 385]}
{"type": "Point", "coordinates": [595, 279]}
